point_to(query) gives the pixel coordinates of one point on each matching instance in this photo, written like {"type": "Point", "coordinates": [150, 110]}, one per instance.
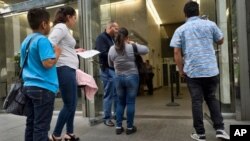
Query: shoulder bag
{"type": "Point", "coordinates": [139, 62]}
{"type": "Point", "coordinates": [15, 101]}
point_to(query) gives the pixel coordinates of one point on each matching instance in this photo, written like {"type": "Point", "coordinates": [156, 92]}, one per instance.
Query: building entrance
{"type": "Point", "coordinates": [150, 22]}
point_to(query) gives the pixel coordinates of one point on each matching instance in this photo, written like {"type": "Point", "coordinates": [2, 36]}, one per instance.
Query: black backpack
{"type": "Point", "coordinates": [139, 62]}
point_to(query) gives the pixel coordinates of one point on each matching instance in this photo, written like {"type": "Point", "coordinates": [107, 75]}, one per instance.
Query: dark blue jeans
{"type": "Point", "coordinates": [68, 89]}
{"type": "Point", "coordinates": [110, 96]}
{"type": "Point", "coordinates": [127, 87]}
{"type": "Point", "coordinates": [40, 106]}
{"type": "Point", "coordinates": [200, 88]}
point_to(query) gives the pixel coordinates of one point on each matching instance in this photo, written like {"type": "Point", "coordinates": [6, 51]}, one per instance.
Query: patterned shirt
{"type": "Point", "coordinates": [196, 38]}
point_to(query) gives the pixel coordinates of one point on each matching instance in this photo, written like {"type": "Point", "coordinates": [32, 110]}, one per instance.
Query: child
{"type": "Point", "coordinates": [39, 75]}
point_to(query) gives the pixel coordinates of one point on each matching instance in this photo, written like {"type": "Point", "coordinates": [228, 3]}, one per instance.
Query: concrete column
{"type": "Point", "coordinates": [223, 53]}
{"type": "Point", "coordinates": [16, 34]}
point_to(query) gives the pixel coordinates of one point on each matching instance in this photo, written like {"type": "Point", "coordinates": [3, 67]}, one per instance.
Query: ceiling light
{"type": "Point", "coordinates": [119, 2]}
{"type": "Point", "coordinates": [153, 12]}
{"type": "Point", "coordinates": [14, 14]}
{"type": "Point", "coordinates": [55, 6]}
{"type": "Point", "coordinates": [5, 10]}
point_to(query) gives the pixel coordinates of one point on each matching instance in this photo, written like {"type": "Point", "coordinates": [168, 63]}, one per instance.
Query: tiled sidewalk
{"type": "Point", "coordinates": [154, 120]}
{"type": "Point", "coordinates": [149, 129]}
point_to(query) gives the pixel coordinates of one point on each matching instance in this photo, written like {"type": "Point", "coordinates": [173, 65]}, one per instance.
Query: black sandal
{"type": "Point", "coordinates": [54, 139]}
{"type": "Point", "coordinates": [72, 138]}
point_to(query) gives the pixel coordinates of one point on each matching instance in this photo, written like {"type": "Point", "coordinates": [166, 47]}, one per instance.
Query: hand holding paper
{"type": "Point", "coordinates": [88, 53]}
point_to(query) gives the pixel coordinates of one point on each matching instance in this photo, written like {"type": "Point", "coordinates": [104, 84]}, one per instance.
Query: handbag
{"type": "Point", "coordinates": [15, 102]}
{"type": "Point", "coordinates": [141, 69]}
{"type": "Point", "coordinates": [139, 62]}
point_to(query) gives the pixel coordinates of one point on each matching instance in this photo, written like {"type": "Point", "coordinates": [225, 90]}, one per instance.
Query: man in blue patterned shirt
{"type": "Point", "coordinates": [196, 60]}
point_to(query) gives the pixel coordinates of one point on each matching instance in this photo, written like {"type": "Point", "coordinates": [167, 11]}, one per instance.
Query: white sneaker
{"type": "Point", "coordinates": [221, 134]}
{"type": "Point", "coordinates": [198, 137]}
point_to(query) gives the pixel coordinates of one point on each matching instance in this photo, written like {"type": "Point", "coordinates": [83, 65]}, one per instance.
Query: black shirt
{"type": "Point", "coordinates": [103, 43]}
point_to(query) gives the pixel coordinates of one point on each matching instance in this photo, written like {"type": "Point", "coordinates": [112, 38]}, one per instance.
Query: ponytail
{"type": "Point", "coordinates": [62, 13]}
{"type": "Point", "coordinates": [120, 40]}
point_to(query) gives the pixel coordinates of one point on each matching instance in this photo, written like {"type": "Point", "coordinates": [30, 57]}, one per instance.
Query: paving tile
{"type": "Point", "coordinates": [155, 122]}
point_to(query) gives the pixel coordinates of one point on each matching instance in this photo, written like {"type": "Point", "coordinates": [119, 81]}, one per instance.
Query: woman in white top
{"type": "Point", "coordinates": [121, 57]}
{"type": "Point", "coordinates": [68, 62]}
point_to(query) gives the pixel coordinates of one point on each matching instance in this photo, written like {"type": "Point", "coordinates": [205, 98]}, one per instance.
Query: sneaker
{"type": "Point", "coordinates": [119, 130]}
{"type": "Point", "coordinates": [109, 123]}
{"type": "Point", "coordinates": [221, 134]}
{"type": "Point", "coordinates": [198, 137]}
{"type": "Point", "coordinates": [131, 131]}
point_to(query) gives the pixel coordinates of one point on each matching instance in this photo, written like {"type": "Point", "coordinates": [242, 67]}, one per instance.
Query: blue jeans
{"type": "Point", "coordinates": [68, 89]}
{"type": "Point", "coordinates": [127, 87]}
{"type": "Point", "coordinates": [110, 96]}
{"type": "Point", "coordinates": [40, 106]}
{"type": "Point", "coordinates": [204, 87]}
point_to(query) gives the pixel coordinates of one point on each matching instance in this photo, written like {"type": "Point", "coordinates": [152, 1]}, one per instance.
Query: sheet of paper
{"type": "Point", "coordinates": [88, 53]}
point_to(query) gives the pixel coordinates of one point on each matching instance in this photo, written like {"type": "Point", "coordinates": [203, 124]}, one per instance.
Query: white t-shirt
{"type": "Point", "coordinates": [60, 35]}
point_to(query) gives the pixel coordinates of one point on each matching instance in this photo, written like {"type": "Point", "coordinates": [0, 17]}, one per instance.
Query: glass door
{"type": "Point", "coordinates": [220, 15]}
{"type": "Point", "coordinates": [132, 14]}
{"type": "Point", "coordinates": [14, 28]}
{"type": "Point", "coordinates": [91, 26]}
{"type": "Point", "coordinates": [95, 16]}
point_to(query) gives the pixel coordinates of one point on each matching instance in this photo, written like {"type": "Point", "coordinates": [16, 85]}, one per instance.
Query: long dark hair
{"type": "Point", "coordinates": [120, 40]}
{"type": "Point", "coordinates": [62, 13]}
